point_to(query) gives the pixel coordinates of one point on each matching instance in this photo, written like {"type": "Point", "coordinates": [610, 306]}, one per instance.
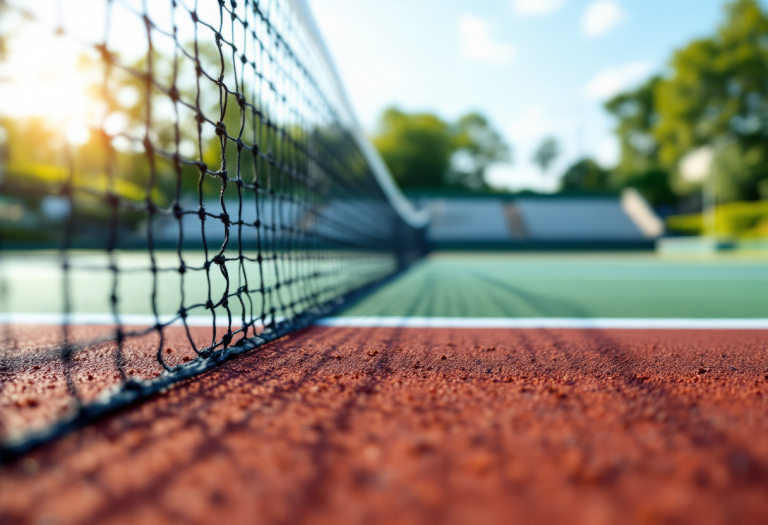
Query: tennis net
{"type": "Point", "coordinates": [185, 176]}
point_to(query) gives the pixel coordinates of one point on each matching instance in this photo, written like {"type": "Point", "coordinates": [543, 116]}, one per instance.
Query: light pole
{"type": "Point", "coordinates": [696, 166]}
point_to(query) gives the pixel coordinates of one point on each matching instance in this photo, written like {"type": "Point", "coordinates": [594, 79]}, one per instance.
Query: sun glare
{"type": "Point", "coordinates": [44, 79]}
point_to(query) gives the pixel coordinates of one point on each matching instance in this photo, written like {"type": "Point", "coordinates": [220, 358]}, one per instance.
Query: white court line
{"type": "Point", "coordinates": [413, 322]}
{"type": "Point", "coordinates": [546, 322]}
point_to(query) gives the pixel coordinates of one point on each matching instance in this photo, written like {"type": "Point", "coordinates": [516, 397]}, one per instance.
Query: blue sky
{"type": "Point", "coordinates": [535, 67]}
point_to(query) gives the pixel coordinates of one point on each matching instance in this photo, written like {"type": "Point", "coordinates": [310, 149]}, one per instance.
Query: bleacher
{"type": "Point", "coordinates": [546, 221]}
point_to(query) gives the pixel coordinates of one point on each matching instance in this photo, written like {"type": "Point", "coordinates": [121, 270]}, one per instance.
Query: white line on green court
{"type": "Point", "coordinates": [411, 322]}
{"type": "Point", "coordinates": [546, 322]}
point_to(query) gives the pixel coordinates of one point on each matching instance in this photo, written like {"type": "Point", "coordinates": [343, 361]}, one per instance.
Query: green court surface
{"type": "Point", "coordinates": [574, 286]}
{"type": "Point", "coordinates": [468, 285]}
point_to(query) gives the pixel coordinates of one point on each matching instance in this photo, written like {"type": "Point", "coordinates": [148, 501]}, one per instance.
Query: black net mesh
{"type": "Point", "coordinates": [199, 187]}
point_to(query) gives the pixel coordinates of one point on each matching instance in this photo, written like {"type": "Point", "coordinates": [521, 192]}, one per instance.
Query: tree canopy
{"type": "Point", "coordinates": [716, 94]}
{"type": "Point", "coordinates": [586, 174]}
{"type": "Point", "coordinates": [477, 145]}
{"type": "Point", "coordinates": [546, 153]}
{"type": "Point", "coordinates": [424, 152]}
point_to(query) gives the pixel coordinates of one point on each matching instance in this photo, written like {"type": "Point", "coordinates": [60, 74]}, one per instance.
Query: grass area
{"type": "Point", "coordinates": [575, 285]}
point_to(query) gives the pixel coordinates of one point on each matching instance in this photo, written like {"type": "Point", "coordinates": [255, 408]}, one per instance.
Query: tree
{"type": "Point", "coordinates": [416, 147]}
{"type": "Point", "coordinates": [654, 185]}
{"type": "Point", "coordinates": [639, 164]}
{"type": "Point", "coordinates": [717, 95]}
{"type": "Point", "coordinates": [477, 145]}
{"type": "Point", "coordinates": [424, 152]}
{"type": "Point", "coordinates": [586, 174]}
{"type": "Point", "coordinates": [636, 114]}
{"type": "Point", "coordinates": [546, 153]}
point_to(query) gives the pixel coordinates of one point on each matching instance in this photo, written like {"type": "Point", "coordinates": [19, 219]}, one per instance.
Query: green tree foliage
{"type": "Point", "coordinates": [477, 145]}
{"type": "Point", "coordinates": [423, 152]}
{"type": "Point", "coordinates": [639, 164]}
{"type": "Point", "coordinates": [719, 88]}
{"type": "Point", "coordinates": [636, 114]}
{"type": "Point", "coordinates": [654, 185]}
{"type": "Point", "coordinates": [416, 147]}
{"type": "Point", "coordinates": [546, 153]}
{"type": "Point", "coordinates": [585, 175]}
{"type": "Point", "coordinates": [716, 94]}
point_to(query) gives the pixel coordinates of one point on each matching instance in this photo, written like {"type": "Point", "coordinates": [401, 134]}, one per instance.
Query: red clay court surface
{"type": "Point", "coordinates": [393, 425]}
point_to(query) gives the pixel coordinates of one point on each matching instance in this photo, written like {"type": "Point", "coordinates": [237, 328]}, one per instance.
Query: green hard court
{"type": "Point", "coordinates": [470, 284]}
{"type": "Point", "coordinates": [633, 285]}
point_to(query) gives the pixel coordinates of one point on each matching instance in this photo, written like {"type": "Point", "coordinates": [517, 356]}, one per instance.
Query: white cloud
{"type": "Point", "coordinates": [537, 7]}
{"type": "Point", "coordinates": [611, 82]}
{"type": "Point", "coordinates": [601, 16]}
{"type": "Point", "coordinates": [478, 44]}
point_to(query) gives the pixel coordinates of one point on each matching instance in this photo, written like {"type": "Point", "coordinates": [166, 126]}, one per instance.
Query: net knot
{"type": "Point", "coordinates": [177, 211]}
{"type": "Point", "coordinates": [148, 146]}
{"type": "Point", "coordinates": [106, 56]}
{"type": "Point", "coordinates": [173, 93]}
{"type": "Point", "coordinates": [193, 14]}
{"type": "Point", "coordinates": [221, 129]}
{"type": "Point", "coordinates": [209, 304]}
{"type": "Point", "coordinates": [183, 269]}
{"type": "Point", "coordinates": [219, 260]}
{"type": "Point", "coordinates": [113, 200]}
{"type": "Point", "coordinates": [227, 338]}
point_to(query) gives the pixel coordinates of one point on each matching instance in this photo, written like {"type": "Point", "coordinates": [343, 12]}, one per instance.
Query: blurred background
{"type": "Point", "coordinates": [543, 121]}
{"type": "Point", "coordinates": [594, 124]}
